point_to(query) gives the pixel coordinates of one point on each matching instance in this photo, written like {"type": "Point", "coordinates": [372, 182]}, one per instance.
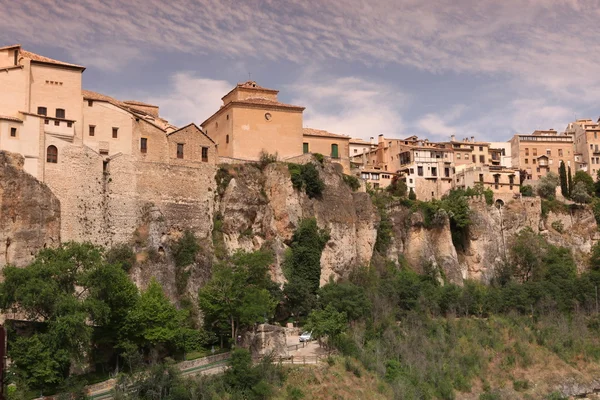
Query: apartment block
{"type": "Point", "coordinates": [542, 152]}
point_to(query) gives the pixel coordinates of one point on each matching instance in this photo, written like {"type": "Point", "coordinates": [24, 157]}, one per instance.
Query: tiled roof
{"type": "Point", "coordinates": [359, 141]}
{"type": "Point", "coordinates": [7, 118]}
{"type": "Point", "coordinates": [36, 57]}
{"type": "Point", "coordinates": [138, 103]}
{"type": "Point", "coordinates": [322, 133]}
{"type": "Point", "coordinates": [253, 85]}
{"type": "Point", "coordinates": [10, 47]}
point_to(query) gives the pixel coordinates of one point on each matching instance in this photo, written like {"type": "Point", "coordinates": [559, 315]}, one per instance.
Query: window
{"type": "Point", "coordinates": [90, 103]}
{"type": "Point", "coordinates": [481, 178]}
{"type": "Point", "coordinates": [480, 148]}
{"type": "Point", "coordinates": [92, 130]}
{"type": "Point", "coordinates": [144, 145]}
{"type": "Point", "coordinates": [560, 152]}
{"type": "Point", "coordinates": [179, 150]}
{"type": "Point", "coordinates": [447, 172]}
{"type": "Point", "coordinates": [511, 181]}
{"type": "Point", "coordinates": [69, 124]}
{"type": "Point", "coordinates": [13, 132]}
{"type": "Point", "coordinates": [115, 133]}
{"type": "Point", "coordinates": [205, 154]}
{"type": "Point", "coordinates": [458, 156]}
{"type": "Point", "coordinates": [305, 148]}
{"type": "Point", "coordinates": [533, 161]}
{"type": "Point", "coordinates": [47, 121]}
{"type": "Point", "coordinates": [548, 152]}
{"type": "Point", "coordinates": [334, 151]}
{"type": "Point", "coordinates": [482, 159]}
{"type": "Point", "coordinates": [42, 111]}
{"type": "Point", "coordinates": [535, 152]}
{"type": "Point", "coordinates": [60, 113]}
{"type": "Point", "coordinates": [526, 161]}
{"type": "Point", "coordinates": [355, 150]}
{"type": "Point", "coordinates": [16, 57]}
{"type": "Point", "coordinates": [595, 135]}
{"type": "Point", "coordinates": [52, 155]}
{"type": "Point", "coordinates": [496, 181]}
{"type": "Point", "coordinates": [227, 117]}
{"type": "Point", "coordinates": [420, 171]}
{"type": "Point", "coordinates": [473, 158]}
{"type": "Point", "coordinates": [227, 139]}
{"type": "Point", "coordinates": [56, 123]}
{"type": "Point", "coordinates": [434, 171]}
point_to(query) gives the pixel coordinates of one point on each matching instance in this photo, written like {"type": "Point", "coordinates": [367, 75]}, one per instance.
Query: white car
{"type": "Point", "coordinates": [306, 337]}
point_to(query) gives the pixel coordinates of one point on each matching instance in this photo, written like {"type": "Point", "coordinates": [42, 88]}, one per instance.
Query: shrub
{"type": "Point", "coordinates": [122, 255]}
{"type": "Point", "coordinates": [527, 191]}
{"type": "Point", "coordinates": [397, 187]}
{"type": "Point", "coordinates": [319, 157]}
{"type": "Point", "coordinates": [547, 186]}
{"type": "Point", "coordinates": [521, 386]}
{"type": "Point", "coordinates": [412, 195]}
{"type": "Point", "coordinates": [185, 249]}
{"type": "Point", "coordinates": [351, 181]}
{"type": "Point", "coordinates": [266, 159]}
{"type": "Point", "coordinates": [579, 193]}
{"type": "Point", "coordinates": [489, 196]}
{"type": "Point", "coordinates": [558, 226]}
{"type": "Point", "coordinates": [307, 177]}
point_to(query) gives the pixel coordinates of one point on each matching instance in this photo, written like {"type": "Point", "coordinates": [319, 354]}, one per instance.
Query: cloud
{"type": "Point", "coordinates": [351, 106]}
{"type": "Point", "coordinates": [189, 98]}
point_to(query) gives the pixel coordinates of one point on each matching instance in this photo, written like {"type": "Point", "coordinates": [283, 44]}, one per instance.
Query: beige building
{"type": "Point", "coordinates": [359, 147]}
{"type": "Point", "coordinates": [586, 136]}
{"type": "Point", "coordinates": [252, 120]}
{"type": "Point", "coordinates": [504, 182]}
{"type": "Point", "coordinates": [541, 152]}
{"type": "Point", "coordinates": [331, 145]}
{"type": "Point", "coordinates": [376, 178]}
{"type": "Point", "coordinates": [500, 154]}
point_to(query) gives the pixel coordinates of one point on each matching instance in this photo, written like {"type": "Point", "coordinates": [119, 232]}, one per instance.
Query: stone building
{"type": "Point", "coordinates": [331, 145]}
{"type": "Point", "coordinates": [107, 161]}
{"type": "Point", "coordinates": [251, 121]}
{"type": "Point", "coordinates": [359, 147]}
{"type": "Point", "coordinates": [541, 152]}
{"type": "Point", "coordinates": [504, 182]}
{"type": "Point", "coordinates": [586, 137]}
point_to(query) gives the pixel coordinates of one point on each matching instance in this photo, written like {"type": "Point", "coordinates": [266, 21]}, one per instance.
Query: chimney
{"type": "Point", "coordinates": [380, 139]}
{"type": "Point", "coordinates": [453, 138]}
{"type": "Point", "coordinates": [472, 139]}
{"type": "Point", "coordinates": [372, 140]}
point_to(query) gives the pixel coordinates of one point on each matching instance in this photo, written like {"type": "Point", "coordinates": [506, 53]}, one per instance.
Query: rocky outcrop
{"type": "Point", "coordinates": [262, 208]}
{"type": "Point", "coordinates": [266, 340]}
{"type": "Point", "coordinates": [29, 213]}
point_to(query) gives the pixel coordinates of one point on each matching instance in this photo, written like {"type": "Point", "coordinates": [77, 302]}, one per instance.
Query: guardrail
{"type": "Point", "coordinates": [294, 347]}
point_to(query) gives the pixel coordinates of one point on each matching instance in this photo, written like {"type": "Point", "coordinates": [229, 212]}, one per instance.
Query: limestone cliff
{"type": "Point", "coordinates": [29, 213]}
{"type": "Point", "coordinates": [263, 208]}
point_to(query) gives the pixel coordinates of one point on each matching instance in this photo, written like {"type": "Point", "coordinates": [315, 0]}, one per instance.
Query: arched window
{"type": "Point", "coordinates": [52, 154]}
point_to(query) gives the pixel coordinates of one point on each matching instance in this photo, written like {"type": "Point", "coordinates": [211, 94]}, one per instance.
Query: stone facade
{"type": "Point", "coordinates": [542, 152]}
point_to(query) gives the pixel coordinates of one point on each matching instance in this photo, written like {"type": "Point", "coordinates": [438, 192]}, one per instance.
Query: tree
{"type": "Point", "coordinates": [326, 323]}
{"type": "Point", "coordinates": [586, 179]}
{"type": "Point", "coordinates": [570, 179]}
{"type": "Point", "coordinates": [564, 184]}
{"type": "Point", "coordinates": [412, 195]}
{"type": "Point", "coordinates": [597, 184]}
{"type": "Point", "coordinates": [580, 193]}
{"type": "Point", "coordinates": [345, 297]}
{"type": "Point", "coordinates": [595, 257]}
{"type": "Point", "coordinates": [547, 186]}
{"type": "Point", "coordinates": [302, 265]}
{"type": "Point", "coordinates": [237, 294]}
{"type": "Point", "coordinates": [527, 251]}
{"type": "Point", "coordinates": [397, 187]}
{"type": "Point", "coordinates": [526, 191]}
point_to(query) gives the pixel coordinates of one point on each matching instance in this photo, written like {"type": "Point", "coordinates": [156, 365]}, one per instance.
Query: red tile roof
{"type": "Point", "coordinates": [38, 58]}
{"type": "Point", "coordinates": [322, 133]}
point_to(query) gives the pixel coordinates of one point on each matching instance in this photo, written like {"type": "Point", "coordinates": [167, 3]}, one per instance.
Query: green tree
{"type": "Point", "coordinates": [412, 195]}
{"type": "Point", "coordinates": [398, 187]}
{"type": "Point", "coordinates": [345, 297]}
{"type": "Point", "coordinates": [237, 294]}
{"type": "Point", "coordinates": [586, 179]}
{"type": "Point", "coordinates": [326, 323]}
{"type": "Point", "coordinates": [302, 265]}
{"type": "Point", "coordinates": [595, 257]}
{"type": "Point", "coordinates": [527, 251]}
{"type": "Point", "coordinates": [570, 179]}
{"type": "Point", "coordinates": [580, 194]}
{"type": "Point", "coordinates": [547, 186]}
{"type": "Point", "coordinates": [564, 184]}
{"type": "Point", "coordinates": [526, 191]}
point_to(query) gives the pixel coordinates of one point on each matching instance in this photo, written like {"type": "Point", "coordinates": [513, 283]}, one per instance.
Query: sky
{"type": "Point", "coordinates": [431, 68]}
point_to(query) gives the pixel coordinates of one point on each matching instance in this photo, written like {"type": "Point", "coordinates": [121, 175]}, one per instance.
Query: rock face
{"type": "Point", "coordinates": [266, 340]}
{"type": "Point", "coordinates": [262, 208]}
{"type": "Point", "coordinates": [29, 213]}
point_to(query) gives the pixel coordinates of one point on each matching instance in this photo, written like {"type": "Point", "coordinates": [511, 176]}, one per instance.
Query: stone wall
{"type": "Point", "coordinates": [29, 213]}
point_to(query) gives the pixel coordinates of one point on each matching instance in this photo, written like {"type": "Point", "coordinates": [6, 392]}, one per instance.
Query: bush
{"type": "Point", "coordinates": [558, 226]}
{"type": "Point", "coordinates": [306, 177]}
{"type": "Point", "coordinates": [266, 159]}
{"type": "Point", "coordinates": [412, 195]}
{"type": "Point", "coordinates": [397, 187]}
{"type": "Point", "coordinates": [489, 196]}
{"type": "Point", "coordinates": [122, 255]}
{"type": "Point", "coordinates": [527, 191]}
{"type": "Point", "coordinates": [351, 181]}
{"type": "Point", "coordinates": [547, 186]}
{"type": "Point", "coordinates": [319, 157]}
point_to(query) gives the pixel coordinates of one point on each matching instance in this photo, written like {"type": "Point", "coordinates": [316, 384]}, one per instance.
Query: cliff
{"type": "Point", "coordinates": [29, 213]}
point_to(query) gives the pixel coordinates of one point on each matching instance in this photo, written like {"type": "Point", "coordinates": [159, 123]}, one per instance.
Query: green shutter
{"type": "Point", "coordinates": [334, 151]}
{"type": "Point", "coordinates": [305, 147]}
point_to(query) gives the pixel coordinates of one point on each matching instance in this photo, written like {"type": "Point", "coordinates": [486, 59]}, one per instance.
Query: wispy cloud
{"type": "Point", "coordinates": [349, 105]}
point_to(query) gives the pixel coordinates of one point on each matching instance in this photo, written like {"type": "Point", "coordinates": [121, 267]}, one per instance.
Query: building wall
{"type": "Point", "coordinates": [218, 129]}
{"type": "Point", "coordinates": [193, 141]}
{"type": "Point", "coordinates": [105, 116]}
{"type": "Point", "coordinates": [526, 153]}
{"type": "Point", "coordinates": [471, 177]}
{"type": "Point", "coordinates": [323, 145]}
{"type": "Point", "coordinates": [252, 133]}
{"type": "Point", "coordinates": [64, 93]}
{"type": "Point", "coordinates": [26, 143]}
{"type": "Point", "coordinates": [15, 85]}
{"type": "Point", "coordinates": [242, 93]}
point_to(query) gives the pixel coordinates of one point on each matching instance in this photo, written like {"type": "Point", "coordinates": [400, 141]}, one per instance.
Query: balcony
{"type": "Point", "coordinates": [59, 127]}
